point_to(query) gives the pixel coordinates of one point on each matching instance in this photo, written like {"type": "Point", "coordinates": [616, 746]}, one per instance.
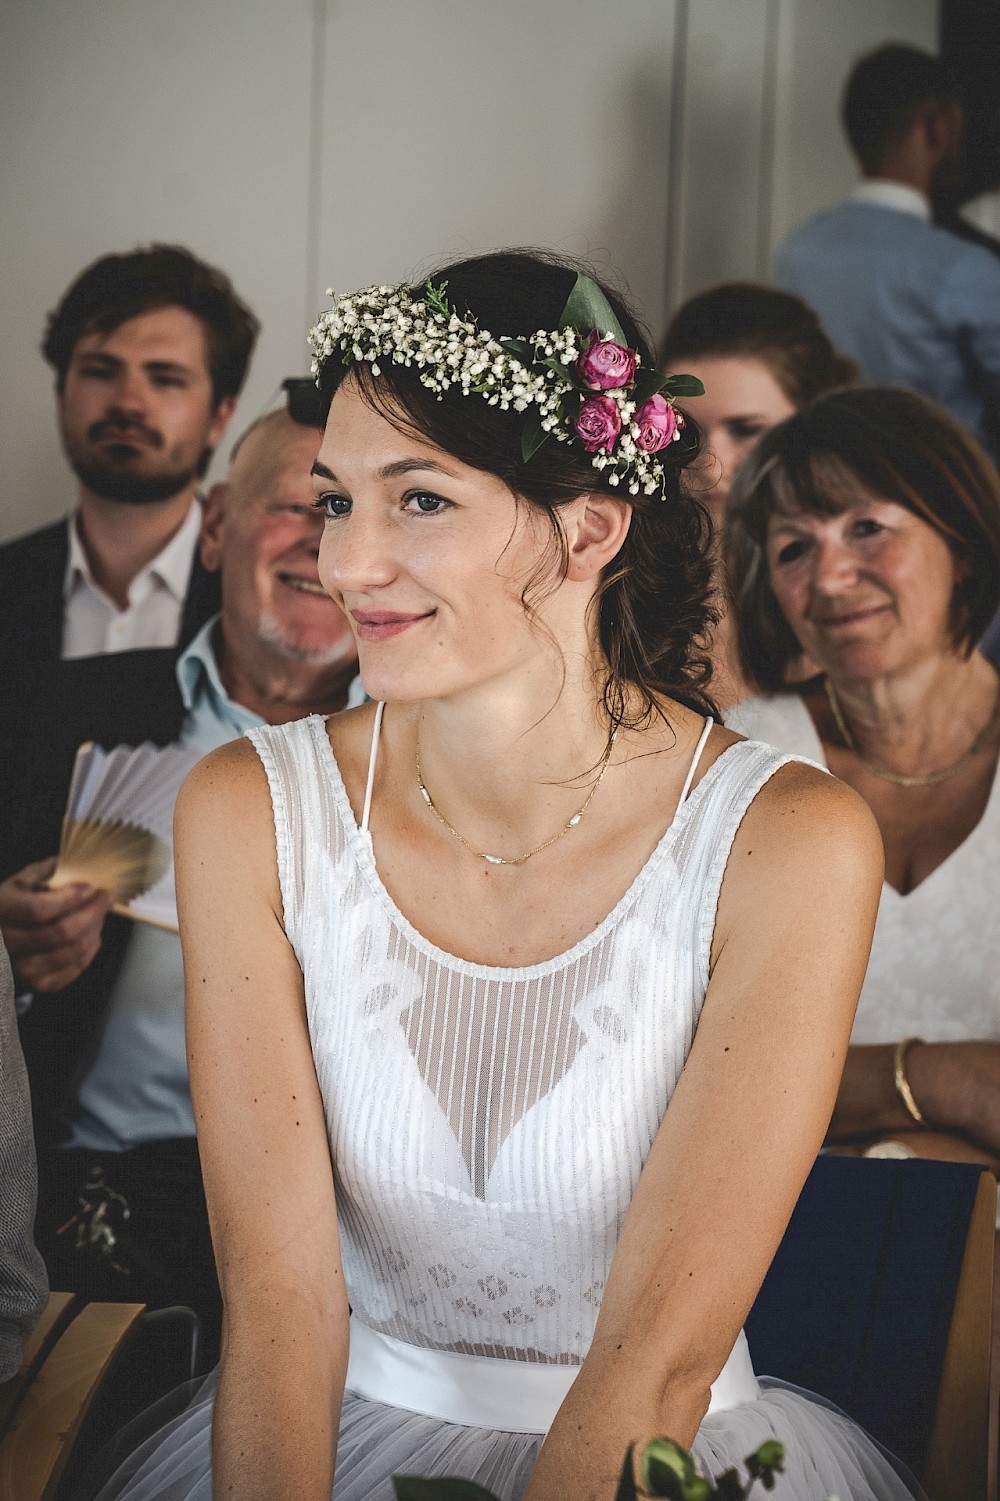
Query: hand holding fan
{"type": "Point", "coordinates": [117, 829]}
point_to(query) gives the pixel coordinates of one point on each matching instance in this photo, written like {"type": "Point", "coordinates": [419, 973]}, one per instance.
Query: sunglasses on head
{"type": "Point", "coordinates": [304, 401]}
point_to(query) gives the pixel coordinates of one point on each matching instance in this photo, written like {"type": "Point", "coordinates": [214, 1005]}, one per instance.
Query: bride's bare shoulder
{"type": "Point", "coordinates": [350, 735]}
{"type": "Point", "coordinates": [350, 731]}
{"type": "Point", "coordinates": [224, 804]}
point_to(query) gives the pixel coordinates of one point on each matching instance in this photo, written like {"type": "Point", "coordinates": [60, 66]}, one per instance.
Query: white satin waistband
{"type": "Point", "coordinates": [480, 1391]}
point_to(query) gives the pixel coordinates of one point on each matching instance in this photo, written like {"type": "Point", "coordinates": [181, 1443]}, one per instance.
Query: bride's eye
{"type": "Point", "coordinates": [425, 503]}
{"type": "Point", "coordinates": [332, 506]}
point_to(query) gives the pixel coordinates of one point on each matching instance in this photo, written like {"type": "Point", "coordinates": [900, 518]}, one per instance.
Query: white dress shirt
{"type": "Point", "coordinates": [895, 195]}
{"type": "Point", "coordinates": [93, 623]}
{"type": "Point", "coordinates": [911, 303]}
{"type": "Point", "coordinates": [137, 1087]}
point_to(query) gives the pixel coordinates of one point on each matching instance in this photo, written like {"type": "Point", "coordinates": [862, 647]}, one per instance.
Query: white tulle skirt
{"type": "Point", "coordinates": [826, 1454]}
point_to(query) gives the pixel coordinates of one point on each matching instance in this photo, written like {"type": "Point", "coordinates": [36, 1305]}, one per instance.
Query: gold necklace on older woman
{"type": "Point", "coordinates": [899, 778]}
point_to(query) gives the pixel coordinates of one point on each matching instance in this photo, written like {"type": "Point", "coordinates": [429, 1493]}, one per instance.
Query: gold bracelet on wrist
{"type": "Point", "coordinates": [901, 1082]}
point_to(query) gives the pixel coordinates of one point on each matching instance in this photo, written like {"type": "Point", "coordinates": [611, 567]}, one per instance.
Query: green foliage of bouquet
{"type": "Point", "coordinates": [665, 1469]}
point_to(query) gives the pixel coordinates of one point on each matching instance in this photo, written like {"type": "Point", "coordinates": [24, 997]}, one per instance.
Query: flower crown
{"type": "Point", "coordinates": [580, 383]}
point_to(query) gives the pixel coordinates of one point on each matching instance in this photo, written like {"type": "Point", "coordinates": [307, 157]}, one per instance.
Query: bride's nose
{"type": "Point", "coordinates": [355, 553]}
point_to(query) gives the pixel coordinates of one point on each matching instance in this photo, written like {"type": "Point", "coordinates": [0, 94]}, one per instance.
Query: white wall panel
{"type": "Point", "coordinates": [721, 159]}
{"type": "Point", "coordinates": [454, 126]}
{"type": "Point", "coordinates": [819, 42]}
{"type": "Point", "coordinates": [125, 121]}
{"type": "Point", "coordinates": [319, 142]}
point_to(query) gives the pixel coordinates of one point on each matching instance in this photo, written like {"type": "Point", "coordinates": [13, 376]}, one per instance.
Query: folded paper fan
{"type": "Point", "coordinates": [115, 856]}
{"type": "Point", "coordinates": [117, 828]}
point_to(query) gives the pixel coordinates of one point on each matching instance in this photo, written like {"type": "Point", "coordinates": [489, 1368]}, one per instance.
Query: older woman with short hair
{"type": "Point", "coordinates": [865, 532]}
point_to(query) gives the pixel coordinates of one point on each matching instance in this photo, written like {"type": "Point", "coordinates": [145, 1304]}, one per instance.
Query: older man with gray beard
{"type": "Point", "coordinates": [121, 1208]}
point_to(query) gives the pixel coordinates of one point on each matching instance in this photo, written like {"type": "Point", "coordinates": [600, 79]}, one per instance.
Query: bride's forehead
{"type": "Point", "coordinates": [357, 433]}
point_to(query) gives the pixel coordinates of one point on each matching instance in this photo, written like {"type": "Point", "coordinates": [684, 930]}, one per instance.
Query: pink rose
{"type": "Point", "coordinates": [599, 423]}
{"type": "Point", "coordinates": [657, 422]}
{"type": "Point", "coordinates": [605, 365]}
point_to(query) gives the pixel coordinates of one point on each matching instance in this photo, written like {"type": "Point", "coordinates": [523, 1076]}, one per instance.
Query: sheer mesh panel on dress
{"type": "Point", "coordinates": [489, 1125]}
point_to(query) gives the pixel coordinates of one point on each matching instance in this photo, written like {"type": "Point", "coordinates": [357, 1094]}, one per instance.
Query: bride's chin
{"type": "Point", "coordinates": [399, 687]}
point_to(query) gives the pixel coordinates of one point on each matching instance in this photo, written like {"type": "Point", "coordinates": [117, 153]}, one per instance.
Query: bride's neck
{"type": "Point", "coordinates": [512, 755]}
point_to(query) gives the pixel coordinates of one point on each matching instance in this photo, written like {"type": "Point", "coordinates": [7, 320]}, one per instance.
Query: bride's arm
{"type": "Point", "coordinates": [746, 1120]}
{"type": "Point", "coordinates": [263, 1144]}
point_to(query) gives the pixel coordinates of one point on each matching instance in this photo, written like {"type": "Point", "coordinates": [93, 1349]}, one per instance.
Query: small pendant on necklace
{"type": "Point", "coordinates": [574, 820]}
{"type": "Point", "coordinates": [494, 859]}
{"type": "Point", "coordinates": [425, 795]}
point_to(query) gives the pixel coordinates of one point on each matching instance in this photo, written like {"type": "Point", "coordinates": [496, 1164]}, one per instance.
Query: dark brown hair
{"type": "Point", "coordinates": [884, 442]}
{"type": "Point", "coordinates": [118, 287]}
{"type": "Point", "coordinates": [653, 603]}
{"type": "Point", "coordinates": [740, 319]}
{"type": "Point", "coordinates": [884, 94]}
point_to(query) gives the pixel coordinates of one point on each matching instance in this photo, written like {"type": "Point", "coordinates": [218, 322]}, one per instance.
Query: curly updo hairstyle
{"type": "Point", "coordinates": [653, 602]}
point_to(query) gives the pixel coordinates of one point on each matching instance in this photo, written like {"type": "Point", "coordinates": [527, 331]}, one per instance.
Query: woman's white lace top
{"type": "Point", "coordinates": [934, 970]}
{"type": "Point", "coordinates": [488, 1126]}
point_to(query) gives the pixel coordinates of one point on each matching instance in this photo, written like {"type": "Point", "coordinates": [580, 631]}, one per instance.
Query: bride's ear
{"type": "Point", "coordinates": [596, 525]}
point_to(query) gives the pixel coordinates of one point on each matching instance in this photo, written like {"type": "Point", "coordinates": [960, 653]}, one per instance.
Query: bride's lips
{"type": "Point", "coordinates": [379, 625]}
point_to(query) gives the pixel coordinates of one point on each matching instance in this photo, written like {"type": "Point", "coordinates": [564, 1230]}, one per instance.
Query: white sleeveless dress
{"type": "Point", "coordinates": [487, 1129]}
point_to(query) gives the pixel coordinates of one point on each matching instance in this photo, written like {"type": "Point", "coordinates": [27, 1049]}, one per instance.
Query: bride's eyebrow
{"type": "Point", "coordinates": [391, 471]}
{"type": "Point", "coordinates": [409, 466]}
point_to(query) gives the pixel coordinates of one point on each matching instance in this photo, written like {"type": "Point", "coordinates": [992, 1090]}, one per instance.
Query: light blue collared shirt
{"type": "Point", "coordinates": [914, 305]}
{"type": "Point", "coordinates": [137, 1089]}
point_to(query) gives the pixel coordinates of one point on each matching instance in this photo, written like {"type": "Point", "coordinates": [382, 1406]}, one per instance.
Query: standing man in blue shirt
{"type": "Point", "coordinates": [279, 649]}
{"type": "Point", "coordinates": [912, 304]}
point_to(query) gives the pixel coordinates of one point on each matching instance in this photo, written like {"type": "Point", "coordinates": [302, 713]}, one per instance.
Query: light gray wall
{"type": "Point", "coordinates": [338, 142]}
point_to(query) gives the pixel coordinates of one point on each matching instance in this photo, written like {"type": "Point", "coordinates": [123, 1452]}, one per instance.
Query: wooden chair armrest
{"type": "Point", "coordinates": [54, 1402]}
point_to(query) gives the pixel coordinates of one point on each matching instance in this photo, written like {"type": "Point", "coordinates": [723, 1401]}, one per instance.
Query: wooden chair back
{"type": "Point", "coordinates": [880, 1299]}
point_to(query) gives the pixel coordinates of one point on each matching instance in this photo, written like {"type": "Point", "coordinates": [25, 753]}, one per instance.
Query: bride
{"type": "Point", "coordinates": [518, 998]}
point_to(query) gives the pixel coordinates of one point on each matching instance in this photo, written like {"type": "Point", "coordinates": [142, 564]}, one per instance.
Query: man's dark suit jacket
{"type": "Point", "coordinates": [48, 708]}
{"type": "Point", "coordinates": [32, 574]}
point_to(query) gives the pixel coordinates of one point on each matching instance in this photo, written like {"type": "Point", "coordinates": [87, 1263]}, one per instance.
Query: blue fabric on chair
{"type": "Point", "coordinates": [858, 1300]}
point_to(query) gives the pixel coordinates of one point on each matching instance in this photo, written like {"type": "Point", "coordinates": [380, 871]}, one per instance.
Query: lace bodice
{"type": "Point", "coordinates": [488, 1126]}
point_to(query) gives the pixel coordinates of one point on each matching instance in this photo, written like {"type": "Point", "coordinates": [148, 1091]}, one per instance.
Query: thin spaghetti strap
{"type": "Point", "coordinates": [372, 758]}
{"type": "Point", "coordinates": [702, 738]}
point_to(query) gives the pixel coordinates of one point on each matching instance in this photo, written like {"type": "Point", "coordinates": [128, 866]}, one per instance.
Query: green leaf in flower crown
{"type": "Point", "coordinates": [626, 1482]}
{"type": "Point", "coordinates": [435, 299]}
{"type": "Point", "coordinates": [533, 434]}
{"type": "Point", "coordinates": [519, 348]}
{"type": "Point", "coordinates": [683, 385]}
{"type": "Point", "coordinates": [562, 372]}
{"type": "Point", "coordinates": [648, 383]}
{"type": "Point", "coordinates": [587, 308]}
{"type": "Point", "coordinates": [444, 1488]}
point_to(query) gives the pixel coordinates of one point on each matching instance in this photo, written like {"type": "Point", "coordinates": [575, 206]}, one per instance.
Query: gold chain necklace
{"type": "Point", "coordinates": [520, 859]}
{"type": "Point", "coordinates": [899, 778]}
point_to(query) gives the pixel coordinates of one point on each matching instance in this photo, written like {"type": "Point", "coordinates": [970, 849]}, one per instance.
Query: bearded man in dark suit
{"type": "Point", "coordinates": [150, 350]}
